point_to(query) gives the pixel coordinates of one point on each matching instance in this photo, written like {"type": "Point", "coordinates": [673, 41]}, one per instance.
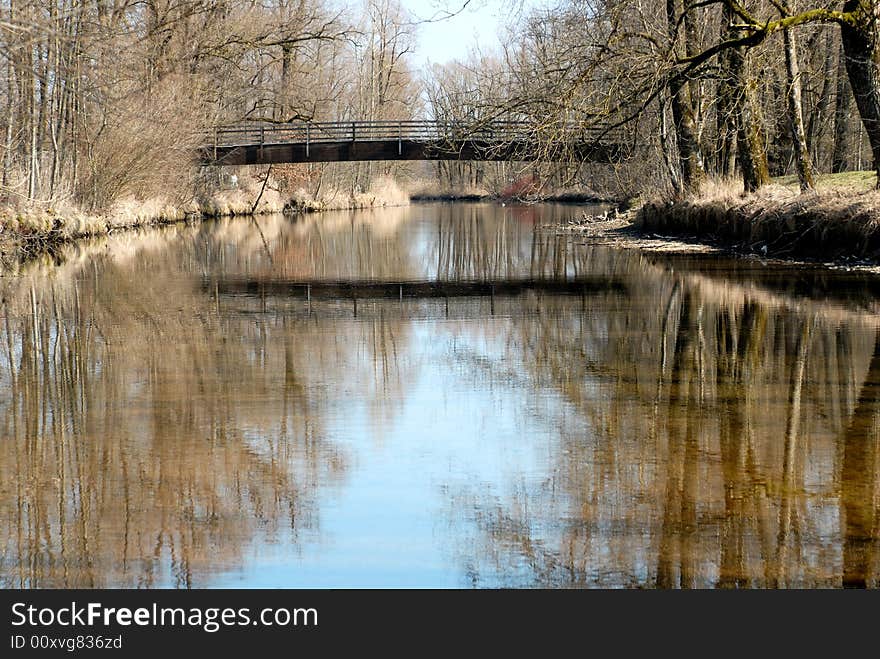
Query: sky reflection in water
{"type": "Point", "coordinates": [179, 411]}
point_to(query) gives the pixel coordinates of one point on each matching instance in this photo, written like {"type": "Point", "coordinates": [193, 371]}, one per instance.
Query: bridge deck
{"type": "Point", "coordinates": [263, 143]}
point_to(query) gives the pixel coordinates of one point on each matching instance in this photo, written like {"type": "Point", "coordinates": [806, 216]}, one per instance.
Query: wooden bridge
{"type": "Point", "coordinates": [269, 143]}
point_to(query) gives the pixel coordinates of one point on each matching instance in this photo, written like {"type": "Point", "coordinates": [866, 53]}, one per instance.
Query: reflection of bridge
{"type": "Point", "coordinates": [265, 143]}
{"type": "Point", "coordinates": [369, 289]}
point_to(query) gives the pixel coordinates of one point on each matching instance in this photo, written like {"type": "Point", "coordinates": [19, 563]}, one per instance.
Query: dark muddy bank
{"type": "Point", "coordinates": [828, 229]}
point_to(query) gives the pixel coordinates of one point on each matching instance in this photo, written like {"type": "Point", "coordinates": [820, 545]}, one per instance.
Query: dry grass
{"type": "Point", "coordinates": [133, 212]}
{"type": "Point", "coordinates": [843, 183]}
{"type": "Point", "coordinates": [28, 230]}
{"type": "Point", "coordinates": [384, 192]}
{"type": "Point", "coordinates": [31, 229]}
{"type": "Point", "coordinates": [251, 197]}
{"type": "Point", "coordinates": [730, 190]}
{"type": "Point", "coordinates": [840, 220]}
{"type": "Point", "coordinates": [64, 221]}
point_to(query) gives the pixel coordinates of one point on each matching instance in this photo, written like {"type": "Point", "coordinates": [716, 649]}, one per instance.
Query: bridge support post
{"type": "Point", "coordinates": [308, 138]}
{"type": "Point", "coordinates": [399, 139]}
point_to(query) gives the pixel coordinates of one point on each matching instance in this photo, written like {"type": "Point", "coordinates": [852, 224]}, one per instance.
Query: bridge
{"type": "Point", "coordinates": [263, 143]}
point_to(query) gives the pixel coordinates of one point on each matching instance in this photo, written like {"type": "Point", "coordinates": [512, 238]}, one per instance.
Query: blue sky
{"type": "Point", "coordinates": [479, 23]}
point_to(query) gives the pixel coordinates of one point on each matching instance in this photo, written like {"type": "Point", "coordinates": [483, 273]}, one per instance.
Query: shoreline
{"type": "Point", "coordinates": [838, 225]}
{"type": "Point", "coordinates": [833, 228]}
{"type": "Point", "coordinates": [573, 198]}
{"type": "Point", "coordinates": [837, 229]}
{"type": "Point", "coordinates": [31, 243]}
{"type": "Point", "coordinates": [27, 234]}
{"type": "Point", "coordinates": [627, 232]}
{"type": "Point", "coordinates": [47, 232]}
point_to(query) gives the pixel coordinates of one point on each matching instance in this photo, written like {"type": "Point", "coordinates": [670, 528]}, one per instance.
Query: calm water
{"type": "Point", "coordinates": [434, 396]}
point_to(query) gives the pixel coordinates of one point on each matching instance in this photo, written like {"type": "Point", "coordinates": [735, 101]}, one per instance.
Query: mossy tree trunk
{"type": "Point", "coordinates": [860, 47]}
{"type": "Point", "coordinates": [683, 114]}
{"type": "Point", "coordinates": [726, 118]}
{"type": "Point", "coordinates": [751, 152]}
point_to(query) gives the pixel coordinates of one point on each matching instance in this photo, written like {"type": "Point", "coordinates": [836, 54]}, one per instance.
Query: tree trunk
{"type": "Point", "coordinates": [10, 116]}
{"type": "Point", "coordinates": [817, 124]}
{"type": "Point", "coordinates": [860, 48]}
{"type": "Point", "coordinates": [740, 105]}
{"type": "Point", "coordinates": [842, 103]}
{"type": "Point", "coordinates": [749, 138]}
{"type": "Point", "coordinates": [795, 114]}
{"type": "Point", "coordinates": [692, 48]}
{"type": "Point", "coordinates": [683, 120]}
{"type": "Point", "coordinates": [286, 57]}
{"type": "Point", "coordinates": [666, 146]}
{"type": "Point", "coordinates": [726, 119]}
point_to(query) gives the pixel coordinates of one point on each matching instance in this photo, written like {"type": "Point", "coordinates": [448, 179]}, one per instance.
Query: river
{"type": "Point", "coordinates": [443, 395]}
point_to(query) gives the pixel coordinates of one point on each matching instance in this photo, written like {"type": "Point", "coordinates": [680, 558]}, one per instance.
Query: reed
{"type": "Point", "coordinates": [383, 193]}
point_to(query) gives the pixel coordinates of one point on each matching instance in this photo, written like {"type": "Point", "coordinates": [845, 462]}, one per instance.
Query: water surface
{"type": "Point", "coordinates": [440, 395]}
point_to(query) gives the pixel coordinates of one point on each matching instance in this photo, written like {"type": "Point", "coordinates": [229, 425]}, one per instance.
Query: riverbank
{"type": "Point", "coordinates": [26, 232]}
{"type": "Point", "coordinates": [839, 222]}
{"type": "Point", "coordinates": [34, 229]}
{"type": "Point", "coordinates": [561, 198]}
{"type": "Point", "coordinates": [423, 191]}
{"type": "Point", "coordinates": [30, 230]}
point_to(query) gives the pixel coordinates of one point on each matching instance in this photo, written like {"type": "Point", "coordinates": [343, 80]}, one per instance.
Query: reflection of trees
{"type": "Point", "coordinates": [136, 446]}
{"type": "Point", "coordinates": [358, 245]}
{"type": "Point", "coordinates": [859, 487]}
{"type": "Point", "coordinates": [497, 242]}
{"type": "Point", "coordinates": [458, 242]}
{"type": "Point", "coordinates": [479, 242]}
{"type": "Point", "coordinates": [149, 441]}
{"type": "Point", "coordinates": [708, 444]}
{"type": "Point", "coordinates": [717, 440]}
{"type": "Point", "coordinates": [708, 433]}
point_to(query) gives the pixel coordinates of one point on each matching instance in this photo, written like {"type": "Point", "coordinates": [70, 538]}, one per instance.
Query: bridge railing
{"type": "Point", "coordinates": [260, 133]}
